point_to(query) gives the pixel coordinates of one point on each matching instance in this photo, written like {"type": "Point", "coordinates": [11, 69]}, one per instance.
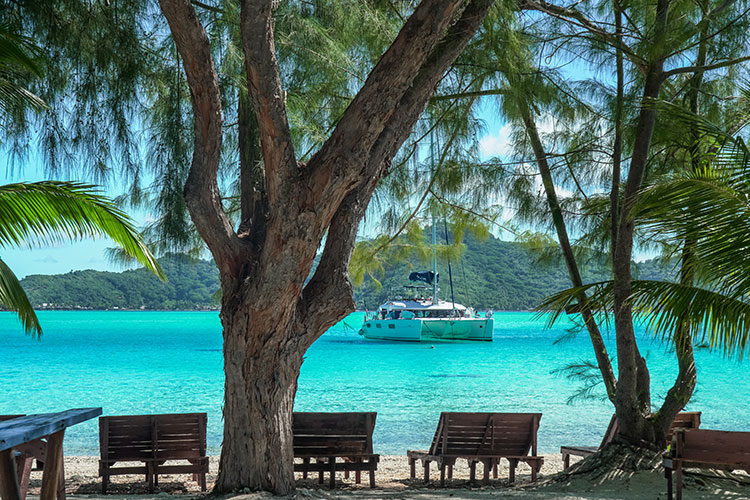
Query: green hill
{"type": "Point", "coordinates": [191, 285]}
{"type": "Point", "coordinates": [495, 274]}
{"type": "Point", "coordinates": [492, 274]}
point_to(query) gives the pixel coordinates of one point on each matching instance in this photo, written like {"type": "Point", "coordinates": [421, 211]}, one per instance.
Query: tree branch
{"type": "Point", "coordinates": [707, 67]}
{"type": "Point", "coordinates": [415, 100]}
{"type": "Point", "coordinates": [380, 96]}
{"type": "Point", "coordinates": [264, 85]}
{"type": "Point", "coordinates": [464, 95]}
{"type": "Point", "coordinates": [201, 188]}
{"type": "Point", "coordinates": [570, 15]}
{"type": "Point", "coordinates": [327, 297]}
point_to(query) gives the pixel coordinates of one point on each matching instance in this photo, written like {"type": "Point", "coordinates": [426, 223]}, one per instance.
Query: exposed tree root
{"type": "Point", "coordinates": [620, 467]}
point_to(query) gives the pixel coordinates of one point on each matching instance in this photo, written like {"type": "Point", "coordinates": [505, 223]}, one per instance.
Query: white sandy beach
{"type": "Point", "coordinates": [393, 482]}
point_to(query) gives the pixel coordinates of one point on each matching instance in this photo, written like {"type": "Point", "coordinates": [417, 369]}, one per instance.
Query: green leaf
{"type": "Point", "coordinates": [14, 298]}
{"type": "Point", "coordinates": [52, 211]}
{"type": "Point", "coordinates": [716, 319]}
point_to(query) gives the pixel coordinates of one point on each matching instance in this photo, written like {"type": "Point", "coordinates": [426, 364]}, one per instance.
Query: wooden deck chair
{"type": "Point", "coordinates": [153, 440]}
{"type": "Point", "coordinates": [321, 438]}
{"type": "Point", "coordinates": [683, 420]}
{"type": "Point", "coordinates": [481, 437]}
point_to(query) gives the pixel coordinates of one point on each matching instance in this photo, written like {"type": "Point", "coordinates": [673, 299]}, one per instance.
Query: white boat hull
{"type": "Point", "coordinates": [428, 330]}
{"type": "Point", "coordinates": [406, 330]}
{"type": "Point", "coordinates": [458, 329]}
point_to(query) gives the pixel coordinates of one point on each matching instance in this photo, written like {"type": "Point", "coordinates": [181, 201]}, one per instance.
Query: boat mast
{"type": "Point", "coordinates": [434, 264]}
{"type": "Point", "coordinates": [450, 271]}
{"type": "Point", "coordinates": [434, 243]}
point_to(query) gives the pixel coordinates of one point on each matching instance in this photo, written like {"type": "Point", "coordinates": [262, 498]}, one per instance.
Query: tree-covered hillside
{"type": "Point", "coordinates": [491, 274]}
{"type": "Point", "coordinates": [191, 285]}
{"type": "Point", "coordinates": [494, 274]}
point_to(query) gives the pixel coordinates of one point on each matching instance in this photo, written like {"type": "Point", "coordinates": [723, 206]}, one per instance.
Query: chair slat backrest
{"type": "Point", "coordinates": [181, 435]}
{"type": "Point", "coordinates": [722, 447]}
{"type": "Point", "coordinates": [497, 434]}
{"type": "Point", "coordinates": [143, 437]}
{"type": "Point", "coordinates": [612, 429]}
{"type": "Point", "coordinates": [333, 433]}
{"type": "Point", "coordinates": [684, 420]}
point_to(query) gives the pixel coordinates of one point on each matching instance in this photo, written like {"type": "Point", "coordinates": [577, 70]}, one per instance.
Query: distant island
{"type": "Point", "coordinates": [491, 274]}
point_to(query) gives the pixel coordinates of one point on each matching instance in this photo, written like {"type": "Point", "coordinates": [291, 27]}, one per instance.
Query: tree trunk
{"type": "Point", "coordinates": [600, 349]}
{"type": "Point", "coordinates": [633, 396]}
{"type": "Point", "coordinates": [682, 390]}
{"type": "Point", "coordinates": [259, 393]}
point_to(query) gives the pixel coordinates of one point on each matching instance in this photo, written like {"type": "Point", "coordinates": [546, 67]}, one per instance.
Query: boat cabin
{"type": "Point", "coordinates": [421, 309]}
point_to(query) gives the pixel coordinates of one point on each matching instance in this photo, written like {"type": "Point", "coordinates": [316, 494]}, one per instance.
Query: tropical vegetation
{"type": "Point", "coordinates": [489, 274]}
{"type": "Point", "coordinates": [48, 212]}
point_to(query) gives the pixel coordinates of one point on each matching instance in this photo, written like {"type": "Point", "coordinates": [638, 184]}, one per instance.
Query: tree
{"type": "Point", "coordinates": [661, 39]}
{"type": "Point", "coordinates": [269, 314]}
{"type": "Point", "coordinates": [51, 211]}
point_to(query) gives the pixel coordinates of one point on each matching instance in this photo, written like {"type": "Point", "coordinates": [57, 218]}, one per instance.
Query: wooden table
{"type": "Point", "coordinates": [24, 429]}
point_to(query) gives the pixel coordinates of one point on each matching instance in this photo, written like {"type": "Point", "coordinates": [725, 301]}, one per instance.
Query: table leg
{"type": "Point", "coordinates": [52, 465]}
{"type": "Point", "coordinates": [9, 489]}
{"type": "Point", "coordinates": [24, 463]}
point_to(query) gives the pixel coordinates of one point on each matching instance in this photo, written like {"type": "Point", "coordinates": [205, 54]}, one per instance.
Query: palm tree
{"type": "Point", "coordinates": [50, 211]}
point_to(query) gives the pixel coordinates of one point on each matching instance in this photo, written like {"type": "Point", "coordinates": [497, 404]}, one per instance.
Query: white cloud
{"type": "Point", "coordinates": [497, 144]}
{"type": "Point", "coordinates": [47, 259]}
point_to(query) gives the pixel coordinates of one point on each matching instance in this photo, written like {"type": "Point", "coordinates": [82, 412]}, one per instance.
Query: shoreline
{"type": "Point", "coordinates": [392, 481]}
{"type": "Point", "coordinates": [216, 309]}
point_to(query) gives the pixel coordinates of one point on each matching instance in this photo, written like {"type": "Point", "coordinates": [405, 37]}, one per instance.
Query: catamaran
{"type": "Point", "coordinates": [418, 319]}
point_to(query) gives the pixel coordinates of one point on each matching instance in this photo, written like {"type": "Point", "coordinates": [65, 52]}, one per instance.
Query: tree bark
{"type": "Point", "coordinates": [614, 194]}
{"type": "Point", "coordinates": [253, 203]}
{"type": "Point", "coordinates": [259, 393]}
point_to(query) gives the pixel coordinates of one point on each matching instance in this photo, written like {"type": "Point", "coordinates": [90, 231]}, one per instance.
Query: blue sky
{"type": "Point", "coordinates": [91, 254]}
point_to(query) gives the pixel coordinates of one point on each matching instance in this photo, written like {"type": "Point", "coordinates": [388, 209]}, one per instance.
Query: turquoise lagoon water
{"type": "Point", "coordinates": [144, 362]}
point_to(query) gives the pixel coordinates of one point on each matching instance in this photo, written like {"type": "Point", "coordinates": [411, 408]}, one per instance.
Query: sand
{"type": "Point", "coordinates": [393, 482]}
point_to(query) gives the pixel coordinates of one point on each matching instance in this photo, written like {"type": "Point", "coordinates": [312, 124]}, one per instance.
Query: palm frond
{"type": "Point", "coordinates": [51, 211]}
{"type": "Point", "coordinates": [14, 298]}
{"type": "Point", "coordinates": [711, 208]}
{"type": "Point", "coordinates": [19, 51]}
{"type": "Point", "coordinates": [721, 321]}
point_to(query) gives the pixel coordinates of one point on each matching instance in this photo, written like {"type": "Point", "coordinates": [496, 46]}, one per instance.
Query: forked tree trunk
{"type": "Point", "coordinates": [269, 314]}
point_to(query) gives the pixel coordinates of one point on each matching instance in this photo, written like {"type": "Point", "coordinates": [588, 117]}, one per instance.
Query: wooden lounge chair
{"type": "Point", "coordinates": [481, 437]}
{"type": "Point", "coordinates": [153, 439]}
{"type": "Point", "coordinates": [684, 420]}
{"type": "Point", "coordinates": [321, 438]}
{"type": "Point", "coordinates": [25, 456]}
{"type": "Point", "coordinates": [705, 449]}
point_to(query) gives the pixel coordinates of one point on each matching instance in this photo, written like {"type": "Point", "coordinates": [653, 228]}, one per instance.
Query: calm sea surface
{"type": "Point", "coordinates": [145, 362]}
